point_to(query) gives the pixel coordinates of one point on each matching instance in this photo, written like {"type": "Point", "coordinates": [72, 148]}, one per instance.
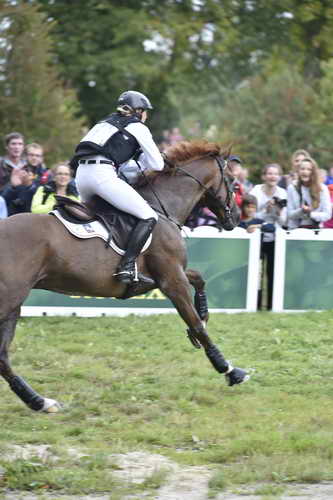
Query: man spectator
{"type": "Point", "coordinates": [13, 159]}
{"type": "Point", "coordinates": [35, 157]}
{"type": "Point", "coordinates": [19, 192]}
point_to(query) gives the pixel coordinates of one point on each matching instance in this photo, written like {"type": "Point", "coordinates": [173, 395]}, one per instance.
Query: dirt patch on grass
{"type": "Point", "coordinates": [177, 483]}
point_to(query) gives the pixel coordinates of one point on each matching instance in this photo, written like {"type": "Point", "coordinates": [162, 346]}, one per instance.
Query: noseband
{"type": "Point", "coordinates": [216, 199]}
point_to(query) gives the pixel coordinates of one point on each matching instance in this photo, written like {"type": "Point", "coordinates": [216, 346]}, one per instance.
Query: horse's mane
{"type": "Point", "coordinates": [191, 150]}
{"type": "Point", "coordinates": [183, 152]}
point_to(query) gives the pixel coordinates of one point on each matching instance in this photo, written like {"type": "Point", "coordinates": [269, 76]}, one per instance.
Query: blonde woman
{"type": "Point", "coordinates": [44, 200]}
{"type": "Point", "coordinates": [308, 199]}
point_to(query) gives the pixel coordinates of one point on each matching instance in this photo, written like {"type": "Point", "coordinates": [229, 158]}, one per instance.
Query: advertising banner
{"type": "Point", "coordinates": [303, 278]}
{"type": "Point", "coordinates": [228, 262]}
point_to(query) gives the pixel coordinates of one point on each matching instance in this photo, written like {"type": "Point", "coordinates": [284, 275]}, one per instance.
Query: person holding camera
{"type": "Point", "coordinates": [44, 200]}
{"type": "Point", "coordinates": [272, 201]}
{"type": "Point", "coordinates": [309, 203]}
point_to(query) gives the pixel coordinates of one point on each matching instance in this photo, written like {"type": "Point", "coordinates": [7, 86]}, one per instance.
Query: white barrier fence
{"type": "Point", "coordinates": [230, 265]}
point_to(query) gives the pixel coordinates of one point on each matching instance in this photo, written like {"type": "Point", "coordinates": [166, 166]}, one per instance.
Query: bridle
{"type": "Point", "coordinates": [216, 200]}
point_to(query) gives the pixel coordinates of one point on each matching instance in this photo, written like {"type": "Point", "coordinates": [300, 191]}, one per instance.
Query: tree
{"type": "Point", "coordinates": [269, 118]}
{"type": "Point", "coordinates": [32, 97]}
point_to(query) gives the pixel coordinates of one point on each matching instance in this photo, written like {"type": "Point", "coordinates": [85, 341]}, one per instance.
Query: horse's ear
{"type": "Point", "coordinates": [226, 150]}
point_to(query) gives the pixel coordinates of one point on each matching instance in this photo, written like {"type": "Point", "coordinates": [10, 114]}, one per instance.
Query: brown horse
{"type": "Point", "coordinates": [38, 252]}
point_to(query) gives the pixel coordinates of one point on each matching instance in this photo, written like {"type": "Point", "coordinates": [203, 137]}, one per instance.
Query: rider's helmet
{"type": "Point", "coordinates": [134, 100]}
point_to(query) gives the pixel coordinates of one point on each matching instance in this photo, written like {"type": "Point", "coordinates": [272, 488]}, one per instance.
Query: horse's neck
{"type": "Point", "coordinates": [178, 194]}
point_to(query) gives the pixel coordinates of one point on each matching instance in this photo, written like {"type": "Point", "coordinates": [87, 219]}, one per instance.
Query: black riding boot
{"type": "Point", "coordinates": [127, 269]}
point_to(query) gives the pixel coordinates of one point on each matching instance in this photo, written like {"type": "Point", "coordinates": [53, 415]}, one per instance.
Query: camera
{"type": "Point", "coordinates": [280, 203]}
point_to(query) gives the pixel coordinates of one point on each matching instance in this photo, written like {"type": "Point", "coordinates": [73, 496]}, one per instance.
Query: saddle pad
{"type": "Point", "coordinates": [93, 229]}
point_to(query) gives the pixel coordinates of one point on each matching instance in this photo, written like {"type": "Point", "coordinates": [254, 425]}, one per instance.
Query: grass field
{"type": "Point", "coordinates": [130, 384]}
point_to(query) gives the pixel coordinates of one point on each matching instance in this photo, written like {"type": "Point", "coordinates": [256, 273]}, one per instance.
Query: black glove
{"type": "Point", "coordinates": [137, 154]}
{"type": "Point", "coordinates": [48, 189]}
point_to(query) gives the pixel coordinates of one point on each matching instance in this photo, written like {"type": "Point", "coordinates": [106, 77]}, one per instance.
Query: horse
{"type": "Point", "coordinates": [37, 252]}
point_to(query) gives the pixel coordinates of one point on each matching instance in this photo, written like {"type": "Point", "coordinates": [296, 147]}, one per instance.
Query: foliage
{"type": "Point", "coordinates": [203, 63]}
{"type": "Point", "coordinates": [32, 98]}
{"type": "Point", "coordinates": [137, 384]}
{"type": "Point", "coordinates": [268, 117]}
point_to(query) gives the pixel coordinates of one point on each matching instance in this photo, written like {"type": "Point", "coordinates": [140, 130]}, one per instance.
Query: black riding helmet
{"type": "Point", "coordinates": [135, 100]}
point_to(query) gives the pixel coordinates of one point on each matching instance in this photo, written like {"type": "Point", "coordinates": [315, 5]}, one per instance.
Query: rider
{"type": "Point", "coordinates": [111, 143]}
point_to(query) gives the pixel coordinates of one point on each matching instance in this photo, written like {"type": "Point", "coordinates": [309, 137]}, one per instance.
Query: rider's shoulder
{"type": "Point", "coordinates": [138, 126]}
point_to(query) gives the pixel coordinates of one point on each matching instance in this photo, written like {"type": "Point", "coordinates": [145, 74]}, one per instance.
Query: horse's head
{"type": "Point", "coordinates": [204, 162]}
{"type": "Point", "coordinates": [220, 199]}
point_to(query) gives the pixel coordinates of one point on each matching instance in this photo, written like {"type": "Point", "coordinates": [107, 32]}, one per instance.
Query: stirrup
{"type": "Point", "coordinates": [129, 276]}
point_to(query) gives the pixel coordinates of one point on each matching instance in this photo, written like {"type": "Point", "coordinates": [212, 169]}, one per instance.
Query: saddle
{"type": "Point", "coordinates": [118, 224]}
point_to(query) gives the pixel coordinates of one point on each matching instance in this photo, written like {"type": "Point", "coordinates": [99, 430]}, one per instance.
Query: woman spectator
{"type": "Point", "coordinates": [309, 201]}
{"type": "Point", "coordinates": [296, 158]}
{"type": "Point", "coordinates": [44, 200]}
{"type": "Point", "coordinates": [272, 201]}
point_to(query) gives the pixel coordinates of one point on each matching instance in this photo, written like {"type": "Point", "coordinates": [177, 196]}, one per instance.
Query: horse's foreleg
{"type": "Point", "coordinates": [200, 297]}
{"type": "Point", "coordinates": [177, 289]}
{"type": "Point", "coordinates": [17, 384]}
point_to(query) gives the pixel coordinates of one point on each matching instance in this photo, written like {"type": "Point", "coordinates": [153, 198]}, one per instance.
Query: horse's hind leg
{"type": "Point", "coordinates": [17, 383]}
{"type": "Point", "coordinates": [177, 288]}
{"type": "Point", "coordinates": [200, 297]}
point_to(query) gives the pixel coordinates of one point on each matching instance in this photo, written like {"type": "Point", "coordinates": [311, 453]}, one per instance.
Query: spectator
{"type": "Point", "coordinates": [3, 208]}
{"type": "Point", "coordinates": [329, 178]}
{"type": "Point", "coordinates": [14, 144]}
{"type": "Point", "coordinates": [309, 201]}
{"type": "Point", "coordinates": [271, 201]}
{"type": "Point", "coordinates": [234, 164]}
{"type": "Point", "coordinates": [329, 223]}
{"type": "Point", "coordinates": [292, 176]}
{"type": "Point", "coordinates": [35, 155]}
{"type": "Point", "coordinates": [201, 216]}
{"type": "Point", "coordinates": [165, 140]}
{"type": "Point", "coordinates": [243, 178]}
{"type": "Point", "coordinates": [249, 221]}
{"type": "Point", "coordinates": [44, 200]}
{"type": "Point", "coordinates": [175, 136]}
{"type": "Point", "coordinates": [19, 192]}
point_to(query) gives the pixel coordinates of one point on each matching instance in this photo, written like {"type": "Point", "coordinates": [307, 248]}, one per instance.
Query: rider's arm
{"type": "Point", "coordinates": [151, 157]}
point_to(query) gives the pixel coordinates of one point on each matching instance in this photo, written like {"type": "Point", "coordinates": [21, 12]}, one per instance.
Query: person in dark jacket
{"type": "Point", "coordinates": [35, 158]}
{"type": "Point", "coordinates": [18, 194]}
{"type": "Point", "coordinates": [13, 159]}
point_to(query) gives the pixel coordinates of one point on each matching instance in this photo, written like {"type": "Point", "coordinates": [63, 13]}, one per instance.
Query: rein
{"type": "Point", "coordinates": [164, 211]}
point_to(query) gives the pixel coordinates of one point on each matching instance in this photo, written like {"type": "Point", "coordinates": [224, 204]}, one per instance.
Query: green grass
{"type": "Point", "coordinates": [130, 384]}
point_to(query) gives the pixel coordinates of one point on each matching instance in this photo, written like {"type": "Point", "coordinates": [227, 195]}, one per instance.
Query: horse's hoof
{"type": "Point", "coordinates": [237, 376]}
{"type": "Point", "coordinates": [50, 406]}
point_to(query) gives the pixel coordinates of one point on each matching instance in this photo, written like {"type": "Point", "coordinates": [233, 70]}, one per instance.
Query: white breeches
{"type": "Point", "coordinates": [102, 179]}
